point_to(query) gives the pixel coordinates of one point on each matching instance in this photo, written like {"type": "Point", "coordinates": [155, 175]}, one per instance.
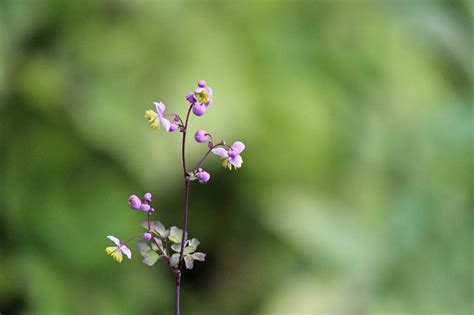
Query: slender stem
{"type": "Point", "coordinates": [186, 206]}
{"type": "Point", "coordinates": [131, 238]}
{"type": "Point", "coordinates": [177, 310]}
{"type": "Point", "coordinates": [206, 155]}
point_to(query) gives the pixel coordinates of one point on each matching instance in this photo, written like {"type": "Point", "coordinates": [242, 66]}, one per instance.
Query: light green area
{"type": "Point", "coordinates": [355, 195]}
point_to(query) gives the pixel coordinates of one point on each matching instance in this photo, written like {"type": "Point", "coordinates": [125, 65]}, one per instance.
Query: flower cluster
{"type": "Point", "coordinates": [143, 204]}
{"type": "Point", "coordinates": [173, 245]}
{"type": "Point", "coordinates": [200, 98]}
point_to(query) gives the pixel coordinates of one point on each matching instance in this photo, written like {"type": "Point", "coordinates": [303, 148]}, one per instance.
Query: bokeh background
{"type": "Point", "coordinates": [356, 192]}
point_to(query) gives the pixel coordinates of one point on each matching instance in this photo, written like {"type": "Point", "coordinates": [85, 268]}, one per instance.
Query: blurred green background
{"type": "Point", "coordinates": [356, 193]}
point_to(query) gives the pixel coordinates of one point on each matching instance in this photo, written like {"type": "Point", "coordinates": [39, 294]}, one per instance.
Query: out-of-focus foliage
{"type": "Point", "coordinates": [356, 192]}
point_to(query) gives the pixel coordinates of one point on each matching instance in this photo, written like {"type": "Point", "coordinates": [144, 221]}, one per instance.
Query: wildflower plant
{"type": "Point", "coordinates": [172, 245]}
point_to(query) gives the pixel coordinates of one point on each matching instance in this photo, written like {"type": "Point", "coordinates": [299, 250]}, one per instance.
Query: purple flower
{"type": "Point", "coordinates": [155, 118]}
{"type": "Point", "coordinates": [145, 207]}
{"type": "Point", "coordinates": [199, 109]}
{"type": "Point", "coordinates": [231, 157]}
{"type": "Point", "coordinates": [200, 98]}
{"type": "Point", "coordinates": [173, 127]}
{"type": "Point", "coordinates": [117, 251]}
{"type": "Point", "coordinates": [135, 202]}
{"type": "Point", "coordinates": [203, 176]}
{"type": "Point", "coordinates": [201, 136]}
{"type": "Point", "coordinates": [147, 236]}
{"type": "Point", "coordinates": [148, 196]}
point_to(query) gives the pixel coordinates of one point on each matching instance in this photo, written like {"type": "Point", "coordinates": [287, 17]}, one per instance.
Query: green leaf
{"type": "Point", "coordinates": [151, 258]}
{"type": "Point", "coordinates": [160, 229]}
{"type": "Point", "coordinates": [188, 250]}
{"type": "Point", "coordinates": [194, 243]}
{"type": "Point", "coordinates": [189, 262]}
{"type": "Point", "coordinates": [143, 248]}
{"type": "Point", "coordinates": [174, 260]}
{"type": "Point", "coordinates": [176, 234]}
{"type": "Point", "coordinates": [199, 256]}
{"type": "Point", "coordinates": [176, 247]}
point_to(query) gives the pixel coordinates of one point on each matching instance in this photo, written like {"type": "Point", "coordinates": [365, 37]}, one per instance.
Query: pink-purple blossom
{"type": "Point", "coordinates": [155, 118]}
{"type": "Point", "coordinates": [200, 98]}
{"type": "Point", "coordinates": [135, 202]}
{"type": "Point", "coordinates": [117, 251]}
{"type": "Point", "coordinates": [231, 157]}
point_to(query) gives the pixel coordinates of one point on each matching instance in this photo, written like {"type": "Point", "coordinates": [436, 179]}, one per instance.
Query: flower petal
{"type": "Point", "coordinates": [220, 152]}
{"type": "Point", "coordinates": [114, 239]}
{"type": "Point", "coordinates": [238, 146]}
{"type": "Point", "coordinates": [165, 123]}
{"type": "Point", "coordinates": [237, 161]}
{"type": "Point", "coordinates": [160, 107]}
{"type": "Point", "coordinates": [126, 251]}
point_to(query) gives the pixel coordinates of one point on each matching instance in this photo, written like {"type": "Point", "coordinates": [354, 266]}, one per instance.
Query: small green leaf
{"type": "Point", "coordinates": [151, 258]}
{"type": "Point", "coordinates": [189, 262]}
{"type": "Point", "coordinates": [176, 234]}
{"type": "Point", "coordinates": [199, 256]}
{"type": "Point", "coordinates": [176, 247]}
{"type": "Point", "coordinates": [143, 248]}
{"type": "Point", "coordinates": [174, 260]}
{"type": "Point", "coordinates": [188, 250]}
{"type": "Point", "coordinates": [144, 224]}
{"type": "Point", "coordinates": [194, 243]}
{"type": "Point", "coordinates": [159, 228]}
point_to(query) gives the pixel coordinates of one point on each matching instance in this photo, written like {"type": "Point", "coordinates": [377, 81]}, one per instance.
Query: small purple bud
{"type": "Point", "coordinates": [148, 196]}
{"type": "Point", "coordinates": [190, 97]}
{"type": "Point", "coordinates": [147, 236]}
{"type": "Point", "coordinates": [134, 202]}
{"type": "Point", "coordinates": [201, 136]}
{"type": "Point", "coordinates": [199, 109]}
{"type": "Point", "coordinates": [210, 145]}
{"type": "Point", "coordinates": [203, 176]}
{"type": "Point", "coordinates": [173, 127]}
{"type": "Point", "coordinates": [202, 83]}
{"type": "Point", "coordinates": [151, 210]}
{"type": "Point", "coordinates": [145, 207]}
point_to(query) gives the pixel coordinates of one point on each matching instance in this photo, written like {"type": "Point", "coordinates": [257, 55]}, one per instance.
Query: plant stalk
{"type": "Point", "coordinates": [186, 208]}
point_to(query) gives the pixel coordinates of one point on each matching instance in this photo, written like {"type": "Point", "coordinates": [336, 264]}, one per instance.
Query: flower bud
{"type": "Point", "coordinates": [134, 202]}
{"type": "Point", "coordinates": [147, 236]}
{"type": "Point", "coordinates": [148, 196]}
{"type": "Point", "coordinates": [199, 109]}
{"type": "Point", "coordinates": [145, 207]}
{"type": "Point", "coordinates": [190, 97]}
{"type": "Point", "coordinates": [173, 127]}
{"type": "Point", "coordinates": [203, 176]}
{"type": "Point", "coordinates": [202, 83]}
{"type": "Point", "coordinates": [201, 136]}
